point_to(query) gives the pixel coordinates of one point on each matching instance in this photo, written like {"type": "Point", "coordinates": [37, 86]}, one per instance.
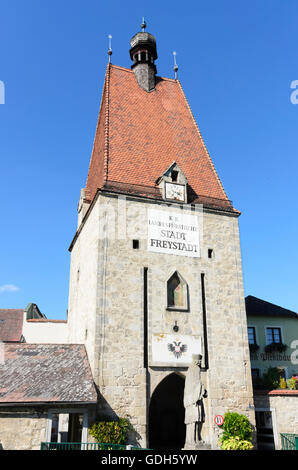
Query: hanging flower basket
{"type": "Point", "coordinates": [253, 347]}
{"type": "Point", "coordinates": [275, 347]}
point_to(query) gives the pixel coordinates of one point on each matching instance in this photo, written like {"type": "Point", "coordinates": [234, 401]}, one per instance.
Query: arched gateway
{"type": "Point", "coordinates": [166, 414]}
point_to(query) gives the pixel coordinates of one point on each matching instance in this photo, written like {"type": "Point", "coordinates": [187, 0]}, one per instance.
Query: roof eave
{"type": "Point", "coordinates": [47, 403]}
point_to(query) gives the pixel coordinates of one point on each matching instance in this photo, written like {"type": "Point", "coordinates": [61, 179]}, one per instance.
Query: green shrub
{"type": "Point", "coordinates": [235, 443]}
{"type": "Point", "coordinates": [271, 378]}
{"type": "Point", "coordinates": [236, 425]}
{"type": "Point", "coordinates": [111, 432]}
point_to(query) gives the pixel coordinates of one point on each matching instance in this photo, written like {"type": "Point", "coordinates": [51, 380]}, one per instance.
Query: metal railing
{"type": "Point", "coordinates": [289, 441]}
{"type": "Point", "coordinates": [85, 446]}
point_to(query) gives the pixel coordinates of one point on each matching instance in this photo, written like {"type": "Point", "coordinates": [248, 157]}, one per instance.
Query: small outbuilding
{"type": "Point", "coordinates": [47, 394]}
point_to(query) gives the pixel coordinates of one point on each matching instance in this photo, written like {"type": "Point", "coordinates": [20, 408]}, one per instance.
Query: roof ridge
{"type": "Point", "coordinates": [8, 309]}
{"type": "Point", "coordinates": [106, 125]}
{"type": "Point", "coordinates": [121, 68]}
{"type": "Point", "coordinates": [46, 320]}
{"type": "Point", "coordinates": [202, 140]}
{"type": "Point", "coordinates": [96, 129]}
{"type": "Point", "coordinates": [125, 69]}
{"type": "Point", "coordinates": [270, 303]}
{"type": "Point", "coordinates": [167, 79]}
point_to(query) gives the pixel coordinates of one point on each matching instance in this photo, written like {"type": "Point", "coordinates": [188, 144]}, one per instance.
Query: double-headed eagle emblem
{"type": "Point", "coordinates": [177, 348]}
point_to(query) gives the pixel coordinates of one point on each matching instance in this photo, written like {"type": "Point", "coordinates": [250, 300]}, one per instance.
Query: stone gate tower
{"type": "Point", "coordinates": [156, 271]}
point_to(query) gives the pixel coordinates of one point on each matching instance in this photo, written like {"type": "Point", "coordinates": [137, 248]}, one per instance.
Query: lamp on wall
{"type": "Point", "coordinates": [176, 327]}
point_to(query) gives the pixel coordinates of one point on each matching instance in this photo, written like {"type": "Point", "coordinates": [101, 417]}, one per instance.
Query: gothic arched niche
{"type": "Point", "coordinates": [177, 292]}
{"type": "Point", "coordinates": [166, 414]}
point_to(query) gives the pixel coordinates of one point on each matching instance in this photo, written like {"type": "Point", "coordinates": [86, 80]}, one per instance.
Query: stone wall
{"type": "Point", "coordinates": [25, 427]}
{"type": "Point", "coordinates": [109, 298]}
{"type": "Point", "coordinates": [22, 430]}
{"type": "Point", "coordinates": [284, 407]}
{"type": "Point", "coordinates": [82, 303]}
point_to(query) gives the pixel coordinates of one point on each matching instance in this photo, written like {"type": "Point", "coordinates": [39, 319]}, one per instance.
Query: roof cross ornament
{"type": "Point", "coordinates": [110, 52]}
{"type": "Point", "coordinates": [175, 65]}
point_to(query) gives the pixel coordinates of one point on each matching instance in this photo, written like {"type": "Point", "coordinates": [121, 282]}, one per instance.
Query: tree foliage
{"type": "Point", "coordinates": [111, 432]}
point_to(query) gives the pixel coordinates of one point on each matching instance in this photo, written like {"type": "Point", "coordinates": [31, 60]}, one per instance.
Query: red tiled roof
{"type": "Point", "coordinates": [11, 325]}
{"type": "Point", "coordinates": [140, 134]}
{"type": "Point", "coordinates": [276, 392]}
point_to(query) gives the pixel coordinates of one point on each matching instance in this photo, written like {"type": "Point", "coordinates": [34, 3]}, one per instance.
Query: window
{"type": "Point", "coordinates": [177, 291]}
{"type": "Point", "coordinates": [174, 175]}
{"type": "Point", "coordinates": [273, 335]}
{"type": "Point", "coordinates": [210, 253]}
{"type": "Point", "coordinates": [251, 335]}
{"type": "Point", "coordinates": [67, 426]}
{"type": "Point", "coordinates": [135, 244]}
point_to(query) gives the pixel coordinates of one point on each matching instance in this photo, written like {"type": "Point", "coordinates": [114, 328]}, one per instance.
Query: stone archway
{"type": "Point", "coordinates": [166, 414]}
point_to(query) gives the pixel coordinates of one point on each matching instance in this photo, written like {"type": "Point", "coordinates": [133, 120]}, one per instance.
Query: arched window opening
{"type": "Point", "coordinates": [177, 291]}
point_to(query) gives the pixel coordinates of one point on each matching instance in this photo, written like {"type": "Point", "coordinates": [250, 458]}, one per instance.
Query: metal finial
{"type": "Point", "coordinates": [110, 52]}
{"type": "Point", "coordinates": [175, 65]}
{"type": "Point", "coordinates": [143, 25]}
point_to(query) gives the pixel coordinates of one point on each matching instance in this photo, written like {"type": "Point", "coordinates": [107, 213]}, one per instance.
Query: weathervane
{"type": "Point", "coordinates": [143, 25]}
{"type": "Point", "coordinates": [110, 52]}
{"type": "Point", "coordinates": [175, 65]}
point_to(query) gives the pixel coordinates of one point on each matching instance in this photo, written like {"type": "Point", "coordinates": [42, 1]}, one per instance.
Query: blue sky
{"type": "Point", "coordinates": [236, 64]}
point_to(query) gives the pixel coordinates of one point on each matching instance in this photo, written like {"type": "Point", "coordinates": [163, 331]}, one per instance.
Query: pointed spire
{"type": "Point", "coordinates": [143, 25]}
{"type": "Point", "coordinates": [110, 52]}
{"type": "Point", "coordinates": [175, 65]}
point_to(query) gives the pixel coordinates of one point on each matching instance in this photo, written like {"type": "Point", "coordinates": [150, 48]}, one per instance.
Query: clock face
{"type": "Point", "coordinates": [175, 191]}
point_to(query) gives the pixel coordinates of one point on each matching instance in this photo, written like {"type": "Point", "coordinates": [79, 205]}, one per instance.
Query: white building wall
{"type": "Point", "coordinates": [45, 331]}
